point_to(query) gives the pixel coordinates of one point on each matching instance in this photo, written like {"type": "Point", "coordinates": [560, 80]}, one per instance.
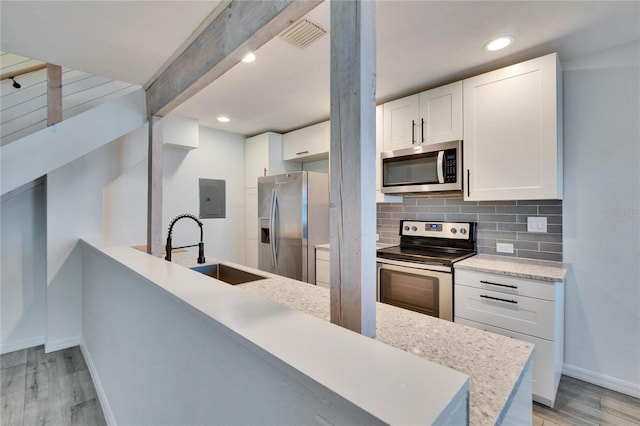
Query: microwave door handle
{"type": "Point", "coordinates": [440, 166]}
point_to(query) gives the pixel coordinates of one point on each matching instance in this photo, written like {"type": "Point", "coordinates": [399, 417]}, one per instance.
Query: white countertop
{"type": "Point", "coordinates": [389, 384]}
{"type": "Point", "coordinates": [543, 270]}
{"type": "Point", "coordinates": [494, 363]}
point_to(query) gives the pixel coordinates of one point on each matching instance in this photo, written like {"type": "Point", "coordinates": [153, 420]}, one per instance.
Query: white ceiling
{"type": "Point", "coordinates": [420, 44]}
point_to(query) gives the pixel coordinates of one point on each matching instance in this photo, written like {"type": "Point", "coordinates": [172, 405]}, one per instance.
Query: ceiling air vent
{"type": "Point", "coordinates": [303, 33]}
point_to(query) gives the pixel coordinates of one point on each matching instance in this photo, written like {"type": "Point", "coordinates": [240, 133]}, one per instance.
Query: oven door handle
{"type": "Point", "coordinates": [440, 166]}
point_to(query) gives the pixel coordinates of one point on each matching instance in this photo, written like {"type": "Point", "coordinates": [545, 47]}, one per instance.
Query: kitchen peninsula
{"type": "Point", "coordinates": [376, 382]}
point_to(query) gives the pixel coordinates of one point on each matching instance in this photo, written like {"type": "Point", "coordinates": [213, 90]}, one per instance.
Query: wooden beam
{"type": "Point", "coordinates": [154, 187]}
{"type": "Point", "coordinates": [242, 27]}
{"type": "Point", "coordinates": [353, 147]}
{"type": "Point", "coordinates": [54, 94]}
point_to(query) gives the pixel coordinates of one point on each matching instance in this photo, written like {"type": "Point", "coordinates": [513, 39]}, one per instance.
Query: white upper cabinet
{"type": "Point", "coordinates": [308, 144]}
{"type": "Point", "coordinates": [432, 116]}
{"type": "Point", "coordinates": [380, 197]}
{"type": "Point", "coordinates": [441, 114]}
{"type": "Point", "coordinates": [263, 157]}
{"type": "Point", "coordinates": [401, 117]}
{"type": "Point", "coordinates": [180, 132]}
{"type": "Point", "coordinates": [513, 132]}
{"type": "Point", "coordinates": [256, 158]}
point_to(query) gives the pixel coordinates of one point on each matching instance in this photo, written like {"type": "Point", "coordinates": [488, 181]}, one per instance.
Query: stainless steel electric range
{"type": "Point", "coordinates": [418, 273]}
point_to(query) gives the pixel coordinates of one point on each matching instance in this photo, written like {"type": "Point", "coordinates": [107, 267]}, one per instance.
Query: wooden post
{"type": "Point", "coordinates": [353, 147]}
{"type": "Point", "coordinates": [154, 188]}
{"type": "Point", "coordinates": [54, 94]}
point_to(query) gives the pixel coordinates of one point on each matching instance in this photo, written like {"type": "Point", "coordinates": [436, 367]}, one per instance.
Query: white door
{"type": "Point", "coordinates": [441, 114]}
{"type": "Point", "coordinates": [401, 123]}
{"type": "Point", "coordinates": [512, 147]}
{"type": "Point", "coordinates": [256, 159]}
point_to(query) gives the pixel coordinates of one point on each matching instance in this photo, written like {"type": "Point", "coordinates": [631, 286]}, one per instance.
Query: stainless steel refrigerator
{"type": "Point", "coordinates": [293, 217]}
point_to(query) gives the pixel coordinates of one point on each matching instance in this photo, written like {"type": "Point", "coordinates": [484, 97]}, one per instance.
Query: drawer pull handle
{"type": "Point", "coordinates": [302, 152]}
{"type": "Point", "coordinates": [500, 285]}
{"type": "Point", "coordinates": [497, 298]}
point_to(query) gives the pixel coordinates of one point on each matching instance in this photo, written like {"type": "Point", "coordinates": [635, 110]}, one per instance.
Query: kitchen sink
{"type": "Point", "coordinates": [228, 274]}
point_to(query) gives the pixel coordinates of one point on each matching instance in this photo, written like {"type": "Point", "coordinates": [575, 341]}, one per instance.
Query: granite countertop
{"type": "Point", "coordinates": [543, 270]}
{"type": "Point", "coordinates": [493, 362]}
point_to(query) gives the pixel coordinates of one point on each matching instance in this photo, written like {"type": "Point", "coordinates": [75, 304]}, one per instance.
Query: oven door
{"type": "Point", "coordinates": [420, 290]}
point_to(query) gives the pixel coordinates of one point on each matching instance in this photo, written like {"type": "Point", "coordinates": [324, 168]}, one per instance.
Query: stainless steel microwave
{"type": "Point", "coordinates": [425, 168]}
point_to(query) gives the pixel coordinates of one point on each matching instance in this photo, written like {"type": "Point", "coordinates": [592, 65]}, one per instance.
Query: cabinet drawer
{"type": "Point", "coordinates": [322, 255]}
{"type": "Point", "coordinates": [543, 364]}
{"type": "Point", "coordinates": [323, 273]}
{"type": "Point", "coordinates": [506, 284]}
{"type": "Point", "coordinates": [522, 314]}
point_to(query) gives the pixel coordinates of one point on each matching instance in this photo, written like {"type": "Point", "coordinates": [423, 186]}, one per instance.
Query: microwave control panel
{"type": "Point", "coordinates": [450, 169]}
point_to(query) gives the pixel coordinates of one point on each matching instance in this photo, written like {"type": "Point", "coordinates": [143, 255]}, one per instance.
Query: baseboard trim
{"type": "Point", "coordinates": [102, 396]}
{"type": "Point", "coordinates": [56, 345]}
{"type": "Point", "coordinates": [24, 344]}
{"type": "Point", "coordinates": [612, 383]}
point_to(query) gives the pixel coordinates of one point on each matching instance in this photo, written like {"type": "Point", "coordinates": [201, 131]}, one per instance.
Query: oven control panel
{"type": "Point", "coordinates": [451, 230]}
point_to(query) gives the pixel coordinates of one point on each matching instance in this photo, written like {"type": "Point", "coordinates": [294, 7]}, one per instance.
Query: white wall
{"type": "Point", "coordinates": [220, 156]}
{"type": "Point", "coordinates": [75, 210]}
{"type": "Point", "coordinates": [103, 197]}
{"type": "Point", "coordinates": [23, 266]}
{"type": "Point", "coordinates": [601, 226]}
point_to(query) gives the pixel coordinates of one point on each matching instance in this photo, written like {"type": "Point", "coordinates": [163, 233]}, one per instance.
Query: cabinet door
{"type": "Point", "coordinates": [380, 197]}
{"type": "Point", "coordinates": [256, 159]}
{"type": "Point", "coordinates": [441, 114]}
{"type": "Point", "coordinates": [401, 123]}
{"type": "Point", "coordinates": [323, 271]}
{"type": "Point", "coordinates": [307, 144]}
{"type": "Point", "coordinates": [251, 227]}
{"type": "Point", "coordinates": [544, 385]}
{"type": "Point", "coordinates": [512, 130]}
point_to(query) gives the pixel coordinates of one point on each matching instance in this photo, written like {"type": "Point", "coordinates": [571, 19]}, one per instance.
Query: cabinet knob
{"type": "Point", "coordinates": [265, 171]}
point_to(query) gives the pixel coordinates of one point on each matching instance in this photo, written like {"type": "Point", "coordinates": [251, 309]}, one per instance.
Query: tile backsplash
{"type": "Point", "coordinates": [498, 222]}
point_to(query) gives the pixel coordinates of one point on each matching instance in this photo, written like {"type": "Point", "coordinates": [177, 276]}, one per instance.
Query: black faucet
{"type": "Point", "coordinates": [200, 244]}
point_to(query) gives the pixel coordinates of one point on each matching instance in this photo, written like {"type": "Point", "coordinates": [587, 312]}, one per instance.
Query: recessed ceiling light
{"type": "Point", "coordinates": [249, 57]}
{"type": "Point", "coordinates": [498, 43]}
{"type": "Point", "coordinates": [223, 119]}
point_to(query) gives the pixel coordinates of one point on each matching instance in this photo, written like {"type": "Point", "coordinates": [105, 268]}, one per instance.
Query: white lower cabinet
{"type": "Point", "coordinates": [524, 309]}
{"type": "Point", "coordinates": [323, 272]}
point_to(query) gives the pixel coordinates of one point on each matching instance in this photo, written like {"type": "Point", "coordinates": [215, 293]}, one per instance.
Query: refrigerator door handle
{"type": "Point", "coordinates": [272, 226]}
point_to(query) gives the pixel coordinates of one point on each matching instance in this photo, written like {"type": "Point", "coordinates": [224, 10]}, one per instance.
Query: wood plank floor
{"type": "Point", "coordinates": [47, 389]}
{"type": "Point", "coordinates": [56, 389]}
{"type": "Point", "coordinates": [581, 403]}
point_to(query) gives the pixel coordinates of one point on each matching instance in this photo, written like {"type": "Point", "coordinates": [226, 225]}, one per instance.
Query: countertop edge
{"type": "Point", "coordinates": [516, 267]}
